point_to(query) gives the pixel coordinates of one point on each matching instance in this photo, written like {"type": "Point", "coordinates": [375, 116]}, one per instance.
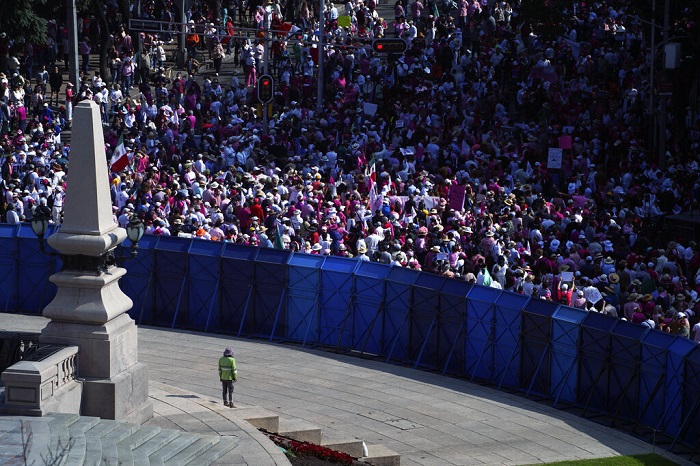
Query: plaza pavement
{"type": "Point", "coordinates": [428, 418]}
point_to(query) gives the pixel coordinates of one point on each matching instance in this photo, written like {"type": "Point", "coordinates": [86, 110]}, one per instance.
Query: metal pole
{"type": "Point", "coordinates": [181, 37]}
{"type": "Point", "coordinates": [266, 64]}
{"type": "Point", "coordinates": [652, 70]}
{"type": "Point", "coordinates": [321, 55]}
{"type": "Point", "coordinates": [664, 98]}
{"type": "Point", "coordinates": [73, 64]}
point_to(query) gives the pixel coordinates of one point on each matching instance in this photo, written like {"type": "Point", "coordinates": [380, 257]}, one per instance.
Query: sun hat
{"type": "Point", "coordinates": [228, 351]}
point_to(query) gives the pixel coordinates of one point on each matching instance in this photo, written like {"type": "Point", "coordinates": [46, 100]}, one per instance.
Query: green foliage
{"type": "Point", "coordinates": [22, 20]}
{"type": "Point", "coordinates": [634, 460]}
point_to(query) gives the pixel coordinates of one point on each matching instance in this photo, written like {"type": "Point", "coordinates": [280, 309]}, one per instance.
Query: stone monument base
{"type": "Point", "coordinates": [124, 397]}
{"type": "Point", "coordinates": [115, 384]}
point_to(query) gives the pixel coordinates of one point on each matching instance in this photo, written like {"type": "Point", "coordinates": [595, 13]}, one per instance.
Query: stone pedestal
{"type": "Point", "coordinates": [115, 384]}
{"type": "Point", "coordinates": [89, 310]}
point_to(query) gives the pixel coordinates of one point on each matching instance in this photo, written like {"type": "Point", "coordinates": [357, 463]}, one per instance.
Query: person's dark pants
{"type": "Point", "coordinates": [227, 387]}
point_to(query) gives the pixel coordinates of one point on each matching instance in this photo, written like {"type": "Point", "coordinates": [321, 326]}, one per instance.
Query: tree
{"type": "Point", "coordinates": [105, 37]}
{"type": "Point", "coordinates": [21, 21]}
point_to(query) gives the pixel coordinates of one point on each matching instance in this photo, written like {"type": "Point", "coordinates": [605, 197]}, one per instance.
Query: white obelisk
{"type": "Point", "coordinates": [90, 310]}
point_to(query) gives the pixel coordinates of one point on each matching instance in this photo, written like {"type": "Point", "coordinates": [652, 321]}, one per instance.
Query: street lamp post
{"type": "Point", "coordinates": [321, 55]}
{"type": "Point", "coordinates": [663, 112]}
{"type": "Point", "coordinates": [73, 65]}
{"type": "Point", "coordinates": [652, 116]}
{"type": "Point", "coordinates": [266, 60]}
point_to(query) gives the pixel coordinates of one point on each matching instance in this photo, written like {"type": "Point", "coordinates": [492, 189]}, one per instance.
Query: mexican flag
{"type": "Point", "coordinates": [119, 159]}
{"type": "Point", "coordinates": [278, 243]}
{"type": "Point", "coordinates": [371, 175]}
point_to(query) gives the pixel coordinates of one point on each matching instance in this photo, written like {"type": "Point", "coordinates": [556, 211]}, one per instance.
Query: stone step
{"type": "Point", "coordinates": [225, 445]}
{"type": "Point", "coordinates": [300, 430]}
{"type": "Point", "coordinates": [60, 445]}
{"type": "Point", "coordinates": [41, 439]}
{"type": "Point", "coordinates": [380, 455]}
{"type": "Point", "coordinates": [126, 447]}
{"type": "Point", "coordinates": [110, 442]}
{"type": "Point", "coordinates": [340, 442]}
{"type": "Point", "coordinates": [78, 450]}
{"type": "Point", "coordinates": [259, 418]}
{"type": "Point", "coordinates": [193, 451]}
{"type": "Point", "coordinates": [142, 452]}
{"type": "Point", "coordinates": [93, 437]}
{"type": "Point", "coordinates": [163, 455]}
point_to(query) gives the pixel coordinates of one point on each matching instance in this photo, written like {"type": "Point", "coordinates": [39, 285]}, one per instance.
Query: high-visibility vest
{"type": "Point", "coordinates": [227, 368]}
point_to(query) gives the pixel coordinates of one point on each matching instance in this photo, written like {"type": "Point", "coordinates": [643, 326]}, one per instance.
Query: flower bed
{"type": "Point", "coordinates": [309, 449]}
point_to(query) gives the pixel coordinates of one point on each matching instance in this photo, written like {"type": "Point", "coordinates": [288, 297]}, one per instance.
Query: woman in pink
{"type": "Point", "coordinates": [463, 9]}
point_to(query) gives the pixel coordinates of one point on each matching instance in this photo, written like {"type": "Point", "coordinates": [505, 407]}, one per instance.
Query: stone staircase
{"type": "Point", "coordinates": [267, 421]}
{"type": "Point", "coordinates": [73, 440]}
{"type": "Point", "coordinates": [303, 431]}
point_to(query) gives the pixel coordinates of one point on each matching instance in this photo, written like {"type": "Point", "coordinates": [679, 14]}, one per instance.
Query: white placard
{"type": "Point", "coordinates": [554, 158]}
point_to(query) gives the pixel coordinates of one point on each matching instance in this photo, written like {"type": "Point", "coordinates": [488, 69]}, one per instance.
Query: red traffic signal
{"type": "Point", "coordinates": [266, 88]}
{"type": "Point", "coordinates": [389, 45]}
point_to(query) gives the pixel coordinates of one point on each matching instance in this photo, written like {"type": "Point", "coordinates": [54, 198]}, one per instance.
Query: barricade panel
{"type": "Point", "coordinates": [33, 289]}
{"type": "Point", "coordinates": [535, 345]}
{"type": "Point", "coordinates": [479, 335]}
{"type": "Point", "coordinates": [203, 283]}
{"type": "Point", "coordinates": [234, 312]}
{"type": "Point", "coordinates": [170, 282]}
{"type": "Point", "coordinates": [652, 386]}
{"type": "Point", "coordinates": [594, 363]}
{"type": "Point", "coordinates": [237, 264]}
{"type": "Point", "coordinates": [506, 346]}
{"type": "Point", "coordinates": [269, 311]}
{"type": "Point", "coordinates": [304, 272]}
{"type": "Point", "coordinates": [691, 398]}
{"type": "Point", "coordinates": [423, 337]}
{"type": "Point", "coordinates": [625, 369]}
{"type": "Point", "coordinates": [9, 273]}
{"type": "Point", "coordinates": [369, 280]}
{"type": "Point", "coordinates": [303, 317]}
{"type": "Point", "coordinates": [673, 416]}
{"type": "Point", "coordinates": [369, 307]}
{"type": "Point", "coordinates": [566, 331]}
{"type": "Point", "coordinates": [452, 325]}
{"type": "Point", "coordinates": [271, 268]}
{"type": "Point", "coordinates": [397, 309]}
{"type": "Point", "coordinates": [137, 283]}
{"type": "Point", "coordinates": [336, 320]}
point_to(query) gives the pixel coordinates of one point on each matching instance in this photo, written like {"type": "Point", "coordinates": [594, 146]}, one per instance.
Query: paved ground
{"type": "Point", "coordinates": [427, 418]}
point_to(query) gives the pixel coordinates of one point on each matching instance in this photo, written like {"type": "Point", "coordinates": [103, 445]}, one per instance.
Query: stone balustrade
{"type": "Point", "coordinates": [34, 388]}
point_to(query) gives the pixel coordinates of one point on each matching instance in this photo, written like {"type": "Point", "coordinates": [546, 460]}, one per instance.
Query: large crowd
{"type": "Point", "coordinates": [485, 152]}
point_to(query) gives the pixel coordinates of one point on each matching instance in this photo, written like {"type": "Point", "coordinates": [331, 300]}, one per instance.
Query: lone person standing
{"type": "Point", "coordinates": [228, 375]}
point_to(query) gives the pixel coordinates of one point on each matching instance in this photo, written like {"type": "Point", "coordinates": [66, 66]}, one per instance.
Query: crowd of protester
{"type": "Point", "coordinates": [437, 159]}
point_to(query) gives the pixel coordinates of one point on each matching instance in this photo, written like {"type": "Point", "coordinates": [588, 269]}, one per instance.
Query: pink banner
{"type": "Point", "coordinates": [565, 142]}
{"type": "Point", "coordinates": [456, 196]}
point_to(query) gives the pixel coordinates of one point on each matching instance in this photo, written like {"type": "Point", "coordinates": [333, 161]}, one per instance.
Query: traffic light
{"type": "Point", "coordinates": [389, 45]}
{"type": "Point", "coordinates": [266, 88]}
